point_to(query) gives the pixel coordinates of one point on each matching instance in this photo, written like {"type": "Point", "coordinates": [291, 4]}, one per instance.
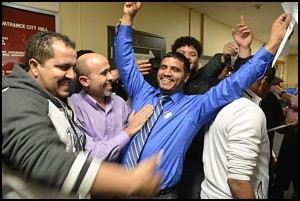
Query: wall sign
{"type": "Point", "coordinates": [19, 23]}
{"type": "Point", "coordinates": [145, 45]}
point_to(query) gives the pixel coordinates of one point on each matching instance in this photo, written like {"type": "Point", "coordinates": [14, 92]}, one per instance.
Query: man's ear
{"type": "Point", "coordinates": [187, 77]}
{"type": "Point", "coordinates": [33, 65]}
{"type": "Point", "coordinates": [84, 81]}
{"type": "Point", "coordinates": [264, 81]}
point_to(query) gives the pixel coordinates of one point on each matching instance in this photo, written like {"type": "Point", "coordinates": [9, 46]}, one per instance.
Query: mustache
{"type": "Point", "coordinates": [66, 80]}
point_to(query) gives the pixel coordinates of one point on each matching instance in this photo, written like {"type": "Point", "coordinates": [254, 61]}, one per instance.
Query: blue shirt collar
{"type": "Point", "coordinates": [175, 97]}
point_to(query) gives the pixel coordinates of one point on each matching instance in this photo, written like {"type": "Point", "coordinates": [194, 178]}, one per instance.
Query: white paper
{"type": "Point", "coordinates": [291, 8]}
{"type": "Point", "coordinates": [278, 127]}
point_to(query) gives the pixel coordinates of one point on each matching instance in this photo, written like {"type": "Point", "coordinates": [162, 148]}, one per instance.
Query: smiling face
{"type": "Point", "coordinates": [96, 77]}
{"type": "Point", "coordinates": [190, 47]}
{"type": "Point", "coordinates": [57, 72]}
{"type": "Point", "coordinates": [191, 53]}
{"type": "Point", "coordinates": [171, 75]}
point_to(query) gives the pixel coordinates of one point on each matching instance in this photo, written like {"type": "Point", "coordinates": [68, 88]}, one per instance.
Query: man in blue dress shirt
{"type": "Point", "coordinates": [183, 115]}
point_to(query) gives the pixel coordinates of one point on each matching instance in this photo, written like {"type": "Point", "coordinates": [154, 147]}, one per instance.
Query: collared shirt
{"type": "Point", "coordinates": [103, 127]}
{"type": "Point", "coordinates": [183, 115]}
{"type": "Point", "coordinates": [236, 146]}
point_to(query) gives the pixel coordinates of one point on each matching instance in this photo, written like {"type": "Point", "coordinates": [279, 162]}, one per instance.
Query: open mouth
{"type": "Point", "coordinates": [166, 81]}
{"type": "Point", "coordinates": [65, 83]}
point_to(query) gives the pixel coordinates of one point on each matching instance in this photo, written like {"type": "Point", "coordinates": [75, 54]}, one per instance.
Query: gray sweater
{"type": "Point", "coordinates": [42, 153]}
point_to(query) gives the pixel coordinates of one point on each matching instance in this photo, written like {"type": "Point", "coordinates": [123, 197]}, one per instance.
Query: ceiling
{"type": "Point", "coordinates": [259, 16]}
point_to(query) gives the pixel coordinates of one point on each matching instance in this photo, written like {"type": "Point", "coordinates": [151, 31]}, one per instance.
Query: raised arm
{"type": "Point", "coordinates": [243, 37]}
{"type": "Point", "coordinates": [217, 65]}
{"type": "Point", "coordinates": [277, 32]}
{"type": "Point", "coordinates": [233, 86]}
{"type": "Point", "coordinates": [130, 9]}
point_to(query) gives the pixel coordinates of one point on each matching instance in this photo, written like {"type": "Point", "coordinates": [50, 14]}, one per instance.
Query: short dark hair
{"type": "Point", "coordinates": [189, 41]}
{"type": "Point", "coordinates": [39, 46]}
{"type": "Point", "coordinates": [180, 57]}
{"type": "Point", "coordinates": [270, 72]}
{"type": "Point", "coordinates": [82, 52]}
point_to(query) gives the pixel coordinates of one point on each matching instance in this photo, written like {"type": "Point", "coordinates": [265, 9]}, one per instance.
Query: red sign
{"type": "Point", "coordinates": [18, 26]}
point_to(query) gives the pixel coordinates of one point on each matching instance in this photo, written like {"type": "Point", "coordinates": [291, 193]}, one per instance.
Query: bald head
{"type": "Point", "coordinates": [94, 76]}
{"type": "Point", "coordinates": [88, 62]}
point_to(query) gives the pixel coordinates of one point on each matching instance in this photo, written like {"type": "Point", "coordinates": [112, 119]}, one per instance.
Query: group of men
{"type": "Point", "coordinates": [51, 151]}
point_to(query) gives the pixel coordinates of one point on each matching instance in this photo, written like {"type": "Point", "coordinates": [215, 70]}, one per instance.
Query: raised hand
{"type": "Point", "coordinates": [229, 49]}
{"type": "Point", "coordinates": [130, 9]}
{"type": "Point", "coordinates": [277, 32]}
{"type": "Point", "coordinates": [144, 66]}
{"type": "Point", "coordinates": [242, 35]}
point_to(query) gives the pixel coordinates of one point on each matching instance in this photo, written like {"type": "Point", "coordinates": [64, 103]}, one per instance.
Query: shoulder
{"type": "Point", "coordinates": [76, 98]}
{"type": "Point", "coordinates": [117, 98]}
{"type": "Point", "coordinates": [21, 105]}
{"type": "Point", "coordinates": [21, 98]}
{"type": "Point", "coordinates": [243, 106]}
{"type": "Point", "coordinates": [119, 102]}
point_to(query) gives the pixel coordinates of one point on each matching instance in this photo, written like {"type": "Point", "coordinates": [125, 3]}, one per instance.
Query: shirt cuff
{"type": "Point", "coordinates": [122, 139]}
